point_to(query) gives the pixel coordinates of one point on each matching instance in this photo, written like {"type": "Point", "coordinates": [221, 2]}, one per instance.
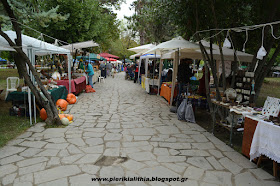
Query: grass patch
{"type": "Point", "coordinates": [11, 126]}
{"type": "Point", "coordinates": [4, 73]}
{"type": "Point", "coordinates": [270, 87]}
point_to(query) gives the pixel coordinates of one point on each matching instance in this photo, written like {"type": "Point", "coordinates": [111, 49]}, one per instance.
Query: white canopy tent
{"type": "Point", "coordinates": [74, 46]}
{"type": "Point", "coordinates": [177, 43]}
{"type": "Point", "coordinates": [135, 55]}
{"type": "Point", "coordinates": [33, 47]}
{"type": "Point", "coordinates": [143, 48]}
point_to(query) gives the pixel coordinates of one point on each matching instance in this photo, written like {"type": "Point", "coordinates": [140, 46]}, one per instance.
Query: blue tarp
{"type": "Point", "coordinates": [2, 60]}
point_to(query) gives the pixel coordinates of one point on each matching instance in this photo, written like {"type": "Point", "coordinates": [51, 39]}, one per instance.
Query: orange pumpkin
{"type": "Point", "coordinates": [62, 104]}
{"type": "Point", "coordinates": [70, 117]}
{"type": "Point", "coordinates": [61, 116]}
{"type": "Point", "coordinates": [43, 114]}
{"type": "Point", "coordinates": [71, 98]}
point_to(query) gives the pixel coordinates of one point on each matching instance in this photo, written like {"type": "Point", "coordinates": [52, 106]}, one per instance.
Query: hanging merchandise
{"type": "Point", "coordinates": [227, 42]}
{"type": "Point", "coordinates": [262, 52]}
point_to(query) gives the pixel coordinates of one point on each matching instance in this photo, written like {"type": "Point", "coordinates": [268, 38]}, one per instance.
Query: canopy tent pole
{"type": "Point", "coordinates": [146, 67]}
{"type": "Point", "coordinates": [29, 92]}
{"type": "Point", "coordinates": [159, 77]}
{"type": "Point", "coordinates": [174, 75]}
{"type": "Point", "coordinates": [139, 67]}
{"type": "Point", "coordinates": [69, 71]}
{"type": "Point", "coordinates": [31, 57]}
{"type": "Point", "coordinates": [33, 80]}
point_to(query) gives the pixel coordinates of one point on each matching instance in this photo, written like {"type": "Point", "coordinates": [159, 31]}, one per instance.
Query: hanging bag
{"type": "Point", "coordinates": [189, 115]}
{"type": "Point", "coordinates": [181, 109]}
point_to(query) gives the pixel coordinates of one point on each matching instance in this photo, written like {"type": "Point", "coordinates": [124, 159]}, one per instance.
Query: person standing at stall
{"type": "Point", "coordinates": [184, 74]}
{"type": "Point", "coordinates": [90, 73]}
{"type": "Point", "coordinates": [136, 73]}
{"type": "Point", "coordinates": [202, 87]}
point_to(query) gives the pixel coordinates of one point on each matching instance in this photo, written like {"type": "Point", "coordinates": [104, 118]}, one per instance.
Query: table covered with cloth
{"type": "Point", "coordinates": [56, 93]}
{"type": "Point", "coordinates": [198, 101]}
{"type": "Point", "coordinates": [165, 91]}
{"type": "Point", "coordinates": [266, 141]}
{"type": "Point", "coordinates": [77, 85]}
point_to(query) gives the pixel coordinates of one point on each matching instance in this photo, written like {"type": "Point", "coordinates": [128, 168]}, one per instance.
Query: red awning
{"type": "Point", "coordinates": [107, 55]}
{"type": "Point", "coordinates": [110, 59]}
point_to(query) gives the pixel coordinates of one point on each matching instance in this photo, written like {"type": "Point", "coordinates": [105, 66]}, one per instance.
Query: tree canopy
{"type": "Point", "coordinates": [67, 20]}
{"type": "Point", "coordinates": [158, 21]}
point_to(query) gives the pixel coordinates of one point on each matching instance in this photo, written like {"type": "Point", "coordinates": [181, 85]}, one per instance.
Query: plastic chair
{"type": "Point", "coordinates": [101, 78]}
{"type": "Point", "coordinates": [12, 84]}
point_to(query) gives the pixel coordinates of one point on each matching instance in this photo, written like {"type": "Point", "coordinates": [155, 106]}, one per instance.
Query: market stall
{"type": "Point", "coordinates": [33, 47]}
{"type": "Point", "coordinates": [22, 96]}
{"type": "Point", "coordinates": [148, 79]}
{"type": "Point", "coordinates": [190, 50]}
{"type": "Point", "coordinates": [94, 59]}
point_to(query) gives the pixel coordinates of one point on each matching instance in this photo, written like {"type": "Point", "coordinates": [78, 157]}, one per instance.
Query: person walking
{"type": "Point", "coordinates": [90, 73]}
{"type": "Point", "coordinates": [102, 67]}
{"type": "Point", "coordinates": [109, 68]}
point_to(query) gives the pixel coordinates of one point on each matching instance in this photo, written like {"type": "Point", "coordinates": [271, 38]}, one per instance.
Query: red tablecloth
{"type": "Point", "coordinates": [80, 84]}
{"type": "Point", "coordinates": [77, 85]}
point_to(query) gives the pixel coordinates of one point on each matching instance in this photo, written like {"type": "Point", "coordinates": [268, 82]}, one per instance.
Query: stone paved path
{"type": "Point", "coordinates": [121, 120]}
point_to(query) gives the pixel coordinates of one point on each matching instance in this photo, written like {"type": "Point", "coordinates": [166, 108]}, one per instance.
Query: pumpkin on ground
{"type": "Point", "coordinates": [69, 117]}
{"type": "Point", "coordinates": [65, 121]}
{"type": "Point", "coordinates": [71, 98]}
{"type": "Point", "coordinates": [61, 116]}
{"type": "Point", "coordinates": [43, 114]}
{"type": "Point", "coordinates": [62, 104]}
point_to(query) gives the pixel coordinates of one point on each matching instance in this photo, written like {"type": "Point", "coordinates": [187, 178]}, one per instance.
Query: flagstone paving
{"type": "Point", "coordinates": [119, 131]}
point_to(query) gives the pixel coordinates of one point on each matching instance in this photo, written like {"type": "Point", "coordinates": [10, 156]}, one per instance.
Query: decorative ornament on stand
{"type": "Point", "coordinates": [227, 42]}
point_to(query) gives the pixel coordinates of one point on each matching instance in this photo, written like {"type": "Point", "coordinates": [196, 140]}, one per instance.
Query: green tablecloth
{"type": "Point", "coordinates": [56, 93]}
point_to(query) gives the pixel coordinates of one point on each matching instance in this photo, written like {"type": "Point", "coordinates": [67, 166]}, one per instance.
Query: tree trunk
{"type": "Point", "coordinates": [214, 71]}
{"type": "Point", "coordinates": [234, 70]}
{"type": "Point", "coordinates": [259, 83]}
{"type": "Point", "coordinates": [220, 47]}
{"type": "Point", "coordinates": [21, 62]}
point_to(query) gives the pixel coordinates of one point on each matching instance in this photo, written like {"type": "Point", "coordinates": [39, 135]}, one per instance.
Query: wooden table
{"type": "Point", "coordinates": [234, 113]}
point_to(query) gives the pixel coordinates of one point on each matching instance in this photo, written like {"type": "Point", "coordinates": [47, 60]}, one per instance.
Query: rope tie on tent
{"type": "Point", "coordinates": [243, 50]}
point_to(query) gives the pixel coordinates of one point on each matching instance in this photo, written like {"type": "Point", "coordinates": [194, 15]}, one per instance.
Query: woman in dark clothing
{"type": "Point", "coordinates": [184, 74]}
{"type": "Point", "coordinates": [202, 88]}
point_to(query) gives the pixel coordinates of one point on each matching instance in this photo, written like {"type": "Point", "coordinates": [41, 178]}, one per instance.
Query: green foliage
{"type": "Point", "coordinates": [68, 20]}
{"type": "Point", "coordinates": [29, 12]}
{"type": "Point", "coordinates": [119, 47]}
{"type": "Point", "coordinates": [158, 20]}
{"type": "Point", "coordinates": [87, 20]}
{"type": "Point", "coordinates": [277, 60]}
